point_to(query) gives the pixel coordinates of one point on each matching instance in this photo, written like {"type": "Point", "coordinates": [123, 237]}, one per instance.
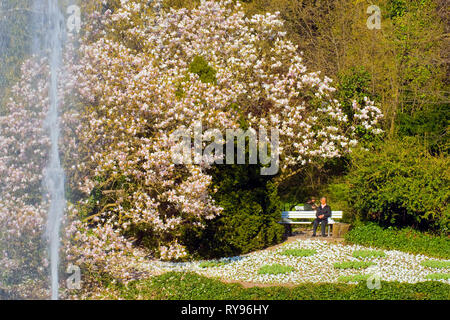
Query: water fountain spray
{"type": "Point", "coordinates": [54, 173]}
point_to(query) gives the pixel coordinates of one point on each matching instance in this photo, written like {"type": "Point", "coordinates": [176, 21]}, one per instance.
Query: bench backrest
{"type": "Point", "coordinates": [307, 214]}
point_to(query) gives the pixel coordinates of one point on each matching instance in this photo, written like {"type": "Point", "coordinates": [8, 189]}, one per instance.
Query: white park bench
{"type": "Point", "coordinates": [300, 214]}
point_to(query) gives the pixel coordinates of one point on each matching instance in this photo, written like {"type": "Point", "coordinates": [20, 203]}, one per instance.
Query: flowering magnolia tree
{"type": "Point", "coordinates": [139, 80]}
{"type": "Point", "coordinates": [23, 207]}
{"type": "Point", "coordinates": [139, 84]}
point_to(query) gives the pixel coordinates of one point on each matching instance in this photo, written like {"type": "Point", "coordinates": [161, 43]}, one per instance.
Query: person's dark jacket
{"type": "Point", "coordinates": [310, 206]}
{"type": "Point", "coordinates": [326, 211]}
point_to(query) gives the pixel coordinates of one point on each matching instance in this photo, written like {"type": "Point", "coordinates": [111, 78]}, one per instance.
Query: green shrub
{"type": "Point", "coordinates": [406, 239]}
{"type": "Point", "coordinates": [436, 264]}
{"type": "Point", "coordinates": [431, 124]}
{"type": "Point", "coordinates": [275, 269]}
{"type": "Point", "coordinates": [248, 222]}
{"type": "Point", "coordinates": [354, 84]}
{"type": "Point", "coordinates": [399, 184]}
{"type": "Point", "coordinates": [353, 265]}
{"type": "Point", "coordinates": [368, 254]}
{"type": "Point", "coordinates": [298, 252]}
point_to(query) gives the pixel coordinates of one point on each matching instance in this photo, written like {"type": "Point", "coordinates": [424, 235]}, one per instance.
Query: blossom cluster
{"type": "Point", "coordinates": [24, 149]}
{"type": "Point", "coordinates": [24, 198]}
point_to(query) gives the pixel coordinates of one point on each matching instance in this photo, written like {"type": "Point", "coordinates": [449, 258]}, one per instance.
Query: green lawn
{"type": "Point", "coordinates": [191, 286]}
{"type": "Point", "coordinates": [275, 269]}
{"type": "Point", "coordinates": [368, 254]}
{"type": "Point", "coordinates": [353, 265]}
{"type": "Point", "coordinates": [436, 264]}
{"type": "Point", "coordinates": [298, 252]}
{"type": "Point", "coordinates": [406, 240]}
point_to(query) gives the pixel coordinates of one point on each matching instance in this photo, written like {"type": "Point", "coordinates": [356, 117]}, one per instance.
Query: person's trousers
{"type": "Point", "coordinates": [323, 226]}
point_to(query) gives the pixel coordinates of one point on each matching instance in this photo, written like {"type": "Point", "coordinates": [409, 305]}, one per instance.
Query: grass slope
{"type": "Point", "coordinates": [191, 286]}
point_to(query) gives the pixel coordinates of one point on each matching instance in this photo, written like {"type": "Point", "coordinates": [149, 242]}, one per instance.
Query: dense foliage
{"type": "Point", "coordinates": [404, 66]}
{"type": "Point", "coordinates": [399, 184]}
{"type": "Point", "coordinates": [248, 222]}
{"type": "Point", "coordinates": [406, 60]}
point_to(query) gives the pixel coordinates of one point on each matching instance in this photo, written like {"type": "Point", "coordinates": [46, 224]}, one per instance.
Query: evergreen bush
{"type": "Point", "coordinates": [398, 184]}
{"type": "Point", "coordinates": [248, 222]}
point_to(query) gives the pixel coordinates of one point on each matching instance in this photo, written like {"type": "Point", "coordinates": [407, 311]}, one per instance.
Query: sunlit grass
{"type": "Point", "coordinates": [354, 278]}
{"type": "Point", "coordinates": [438, 276]}
{"type": "Point", "coordinates": [275, 269]}
{"type": "Point", "coordinates": [212, 264]}
{"type": "Point", "coordinates": [299, 252]}
{"type": "Point", "coordinates": [353, 265]}
{"type": "Point", "coordinates": [368, 254]}
{"type": "Point", "coordinates": [435, 264]}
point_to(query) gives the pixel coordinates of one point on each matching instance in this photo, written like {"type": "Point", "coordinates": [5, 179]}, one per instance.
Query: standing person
{"type": "Point", "coordinates": [323, 212]}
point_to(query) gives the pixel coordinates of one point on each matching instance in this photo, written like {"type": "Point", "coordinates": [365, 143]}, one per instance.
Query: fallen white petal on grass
{"type": "Point", "coordinates": [394, 266]}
